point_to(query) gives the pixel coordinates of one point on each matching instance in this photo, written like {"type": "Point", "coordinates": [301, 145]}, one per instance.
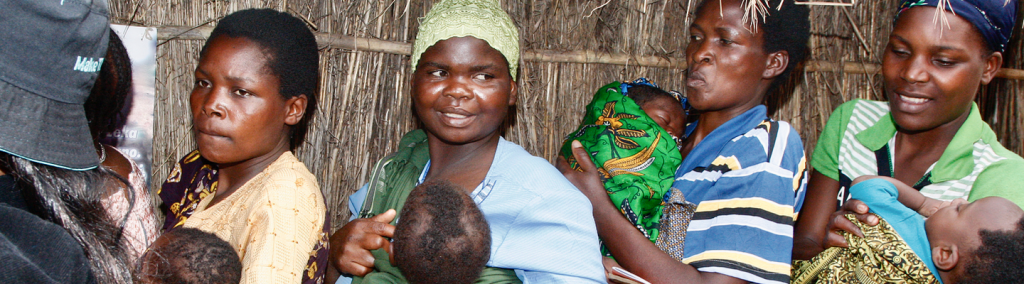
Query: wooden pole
{"type": "Point", "coordinates": [328, 41]}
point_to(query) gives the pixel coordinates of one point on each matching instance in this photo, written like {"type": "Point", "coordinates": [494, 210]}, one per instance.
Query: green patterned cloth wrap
{"type": "Point", "coordinates": [636, 157]}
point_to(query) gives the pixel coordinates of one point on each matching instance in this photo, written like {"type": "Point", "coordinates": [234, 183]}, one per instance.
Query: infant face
{"type": "Point", "coordinates": [961, 222]}
{"type": "Point", "coordinates": [668, 113]}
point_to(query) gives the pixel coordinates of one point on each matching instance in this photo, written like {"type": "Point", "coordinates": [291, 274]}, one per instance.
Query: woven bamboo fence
{"type": "Point", "coordinates": [570, 49]}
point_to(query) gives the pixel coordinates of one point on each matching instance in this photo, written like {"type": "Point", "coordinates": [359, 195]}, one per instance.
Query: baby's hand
{"type": "Point", "coordinates": [931, 206]}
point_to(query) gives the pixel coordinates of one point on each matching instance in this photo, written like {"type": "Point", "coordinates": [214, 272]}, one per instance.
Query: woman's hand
{"type": "Point", "coordinates": [589, 180]}
{"type": "Point", "coordinates": [351, 245]}
{"type": "Point", "coordinates": [838, 222]}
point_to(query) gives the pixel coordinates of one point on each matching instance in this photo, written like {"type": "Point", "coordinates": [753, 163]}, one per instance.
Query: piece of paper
{"type": "Point", "coordinates": [135, 139]}
{"type": "Point", "coordinates": [626, 276]}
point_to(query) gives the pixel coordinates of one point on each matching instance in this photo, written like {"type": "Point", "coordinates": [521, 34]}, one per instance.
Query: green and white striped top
{"type": "Point", "coordinates": [858, 141]}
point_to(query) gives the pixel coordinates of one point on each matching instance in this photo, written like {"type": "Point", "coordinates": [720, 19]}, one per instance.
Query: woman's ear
{"type": "Point", "coordinates": [777, 62]}
{"type": "Point", "coordinates": [513, 93]}
{"type": "Point", "coordinates": [945, 256]}
{"type": "Point", "coordinates": [295, 109]}
{"type": "Point", "coordinates": [992, 64]}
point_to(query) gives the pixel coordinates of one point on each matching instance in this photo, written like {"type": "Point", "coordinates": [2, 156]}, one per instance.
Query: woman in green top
{"type": "Point", "coordinates": [929, 134]}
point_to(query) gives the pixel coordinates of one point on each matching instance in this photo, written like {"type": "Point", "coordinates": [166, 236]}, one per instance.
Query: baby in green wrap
{"type": "Point", "coordinates": [632, 132]}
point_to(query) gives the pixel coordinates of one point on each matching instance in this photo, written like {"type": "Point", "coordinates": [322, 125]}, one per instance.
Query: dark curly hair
{"type": "Point", "coordinates": [291, 52]}
{"type": "Point", "coordinates": [999, 259]}
{"type": "Point", "coordinates": [192, 256]}
{"type": "Point", "coordinates": [643, 94]}
{"type": "Point", "coordinates": [442, 237]}
{"type": "Point", "coordinates": [108, 105]}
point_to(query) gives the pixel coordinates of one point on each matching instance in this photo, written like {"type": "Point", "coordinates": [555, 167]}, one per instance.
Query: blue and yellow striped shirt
{"type": "Point", "coordinates": [747, 180]}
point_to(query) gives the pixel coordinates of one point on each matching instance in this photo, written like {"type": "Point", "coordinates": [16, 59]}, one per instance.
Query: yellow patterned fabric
{"type": "Point", "coordinates": [273, 221]}
{"type": "Point", "coordinates": [482, 19]}
{"type": "Point", "coordinates": [880, 257]}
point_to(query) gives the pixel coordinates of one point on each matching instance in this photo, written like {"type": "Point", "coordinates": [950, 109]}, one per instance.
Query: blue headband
{"type": "Point", "coordinates": [993, 18]}
{"type": "Point", "coordinates": [624, 88]}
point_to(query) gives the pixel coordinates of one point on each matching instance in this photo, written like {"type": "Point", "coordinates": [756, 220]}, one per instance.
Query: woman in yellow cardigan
{"type": "Point", "coordinates": [254, 93]}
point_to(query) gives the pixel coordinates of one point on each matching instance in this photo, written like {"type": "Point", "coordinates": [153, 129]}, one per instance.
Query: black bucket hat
{"type": "Point", "coordinates": [50, 55]}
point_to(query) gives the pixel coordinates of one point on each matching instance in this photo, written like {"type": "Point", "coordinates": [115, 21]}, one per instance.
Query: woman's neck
{"type": "Point", "coordinates": [465, 165]}
{"type": "Point", "coordinates": [232, 176]}
{"type": "Point", "coordinates": [915, 152]}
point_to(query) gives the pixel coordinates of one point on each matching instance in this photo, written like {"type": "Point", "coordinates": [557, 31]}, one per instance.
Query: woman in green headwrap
{"type": "Point", "coordinates": [465, 58]}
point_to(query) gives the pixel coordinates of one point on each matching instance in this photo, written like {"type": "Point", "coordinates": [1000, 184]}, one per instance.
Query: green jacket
{"type": "Point", "coordinates": [391, 181]}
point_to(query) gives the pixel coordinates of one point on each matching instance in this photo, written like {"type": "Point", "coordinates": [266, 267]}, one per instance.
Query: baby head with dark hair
{"type": "Point", "coordinates": [664, 108]}
{"type": "Point", "coordinates": [999, 259]}
{"type": "Point", "coordinates": [187, 255]}
{"type": "Point", "coordinates": [978, 242]}
{"type": "Point", "coordinates": [441, 236]}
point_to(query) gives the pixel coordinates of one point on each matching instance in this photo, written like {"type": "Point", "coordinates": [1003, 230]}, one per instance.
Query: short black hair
{"type": "Point", "coordinates": [441, 236]}
{"type": "Point", "coordinates": [195, 257]}
{"type": "Point", "coordinates": [291, 52]}
{"type": "Point", "coordinates": [787, 28]}
{"type": "Point", "coordinates": [999, 259]}
{"type": "Point", "coordinates": [108, 105]}
{"type": "Point", "coordinates": [643, 94]}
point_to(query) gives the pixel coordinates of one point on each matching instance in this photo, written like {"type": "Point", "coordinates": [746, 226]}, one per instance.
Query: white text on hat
{"type": "Point", "coordinates": [88, 64]}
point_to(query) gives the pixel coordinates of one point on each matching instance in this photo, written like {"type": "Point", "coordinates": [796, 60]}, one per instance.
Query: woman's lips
{"type": "Point", "coordinates": [455, 117]}
{"type": "Point", "coordinates": [910, 102]}
{"type": "Point", "coordinates": [913, 100]}
{"type": "Point", "coordinates": [207, 132]}
{"type": "Point", "coordinates": [695, 79]}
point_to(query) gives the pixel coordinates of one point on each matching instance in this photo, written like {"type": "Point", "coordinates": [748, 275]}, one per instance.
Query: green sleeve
{"type": "Point", "coordinates": [825, 158]}
{"type": "Point", "coordinates": [383, 273]}
{"type": "Point", "coordinates": [1003, 179]}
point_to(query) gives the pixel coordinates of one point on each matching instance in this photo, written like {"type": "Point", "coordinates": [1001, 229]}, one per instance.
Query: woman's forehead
{"type": "Point", "coordinates": [464, 51]}
{"type": "Point", "coordinates": [723, 15]}
{"type": "Point", "coordinates": [921, 25]}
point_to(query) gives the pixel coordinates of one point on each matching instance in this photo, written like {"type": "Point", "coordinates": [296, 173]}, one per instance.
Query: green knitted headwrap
{"type": "Point", "coordinates": [482, 19]}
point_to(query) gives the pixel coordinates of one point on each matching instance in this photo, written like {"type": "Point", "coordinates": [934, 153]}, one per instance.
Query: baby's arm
{"type": "Point", "coordinates": [910, 197]}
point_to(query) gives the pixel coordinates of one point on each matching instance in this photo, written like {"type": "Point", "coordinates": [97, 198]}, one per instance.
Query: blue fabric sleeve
{"type": "Point", "coordinates": [355, 201]}
{"type": "Point", "coordinates": [882, 198]}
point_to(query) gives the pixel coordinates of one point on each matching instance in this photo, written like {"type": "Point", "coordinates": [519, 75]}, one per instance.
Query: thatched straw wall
{"type": "Point", "coordinates": [365, 102]}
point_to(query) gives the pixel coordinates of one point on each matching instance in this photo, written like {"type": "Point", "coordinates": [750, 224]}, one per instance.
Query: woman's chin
{"type": "Point", "coordinates": [212, 154]}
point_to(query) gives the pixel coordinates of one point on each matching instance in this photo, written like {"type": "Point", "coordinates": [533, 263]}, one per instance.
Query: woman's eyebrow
{"type": "Point", "coordinates": [239, 79]}
{"type": "Point", "coordinates": [898, 38]}
{"type": "Point", "coordinates": [696, 26]}
{"type": "Point", "coordinates": [478, 68]}
{"type": "Point", "coordinates": [433, 64]}
{"type": "Point", "coordinates": [727, 31]}
{"type": "Point", "coordinates": [947, 48]}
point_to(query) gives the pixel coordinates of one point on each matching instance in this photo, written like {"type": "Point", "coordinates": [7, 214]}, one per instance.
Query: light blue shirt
{"type": "Point", "coordinates": [541, 225]}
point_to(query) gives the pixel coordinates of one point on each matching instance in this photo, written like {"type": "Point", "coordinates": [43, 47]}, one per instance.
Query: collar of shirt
{"type": "Point", "coordinates": [956, 162]}
{"type": "Point", "coordinates": [707, 150]}
{"type": "Point", "coordinates": [482, 190]}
